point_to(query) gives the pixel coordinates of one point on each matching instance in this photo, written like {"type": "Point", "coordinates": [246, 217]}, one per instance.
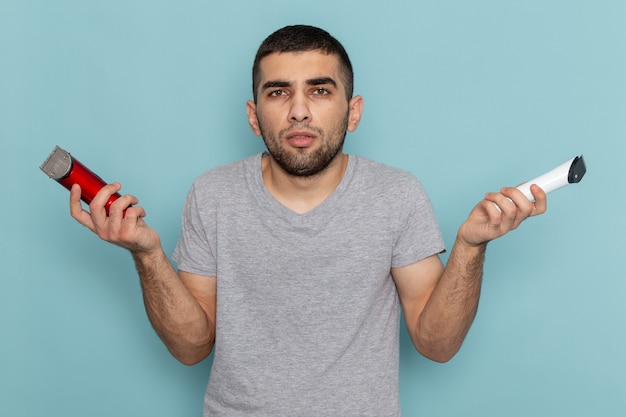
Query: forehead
{"type": "Point", "coordinates": [294, 66]}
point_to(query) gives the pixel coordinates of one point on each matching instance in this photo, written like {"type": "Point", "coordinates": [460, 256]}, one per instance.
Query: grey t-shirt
{"type": "Point", "coordinates": [307, 312]}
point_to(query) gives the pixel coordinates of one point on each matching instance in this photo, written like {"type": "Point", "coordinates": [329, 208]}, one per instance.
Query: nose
{"type": "Point", "coordinates": [299, 110]}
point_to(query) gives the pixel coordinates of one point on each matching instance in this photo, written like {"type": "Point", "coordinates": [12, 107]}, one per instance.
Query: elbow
{"type": "Point", "coordinates": [190, 358]}
{"type": "Point", "coordinates": [189, 361]}
{"type": "Point", "coordinates": [440, 356]}
{"type": "Point", "coordinates": [190, 355]}
{"type": "Point", "coordinates": [438, 351]}
{"type": "Point", "coordinates": [438, 344]}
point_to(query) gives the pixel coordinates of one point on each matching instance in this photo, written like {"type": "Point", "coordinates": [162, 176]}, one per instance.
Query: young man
{"type": "Point", "coordinates": [295, 264]}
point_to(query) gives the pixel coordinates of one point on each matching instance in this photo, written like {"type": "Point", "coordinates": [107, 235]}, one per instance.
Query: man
{"type": "Point", "coordinates": [295, 264]}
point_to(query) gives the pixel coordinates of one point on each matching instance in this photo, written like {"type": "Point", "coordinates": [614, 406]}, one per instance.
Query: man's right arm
{"type": "Point", "coordinates": [180, 306]}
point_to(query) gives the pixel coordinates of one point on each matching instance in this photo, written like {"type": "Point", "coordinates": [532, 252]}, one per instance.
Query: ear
{"type": "Point", "coordinates": [355, 112]}
{"type": "Point", "coordinates": [253, 120]}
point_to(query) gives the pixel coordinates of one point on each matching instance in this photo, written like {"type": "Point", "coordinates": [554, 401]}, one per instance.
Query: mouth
{"type": "Point", "coordinates": [300, 139]}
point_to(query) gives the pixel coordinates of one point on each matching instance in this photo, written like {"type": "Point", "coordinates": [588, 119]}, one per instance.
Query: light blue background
{"type": "Point", "coordinates": [468, 95]}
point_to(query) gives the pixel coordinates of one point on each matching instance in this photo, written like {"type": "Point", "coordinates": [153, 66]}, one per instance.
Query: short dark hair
{"type": "Point", "coordinates": [301, 38]}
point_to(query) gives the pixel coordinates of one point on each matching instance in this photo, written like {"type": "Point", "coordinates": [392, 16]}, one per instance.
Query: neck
{"type": "Point", "coordinates": [302, 194]}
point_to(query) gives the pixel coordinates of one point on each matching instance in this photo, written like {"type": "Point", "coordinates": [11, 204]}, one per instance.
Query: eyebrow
{"type": "Point", "coordinates": [322, 81]}
{"type": "Point", "coordinates": [312, 81]}
{"type": "Point", "coordinates": [274, 84]}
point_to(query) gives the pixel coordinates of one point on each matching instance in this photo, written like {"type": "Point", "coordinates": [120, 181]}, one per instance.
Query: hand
{"type": "Point", "coordinates": [123, 226]}
{"type": "Point", "coordinates": [499, 213]}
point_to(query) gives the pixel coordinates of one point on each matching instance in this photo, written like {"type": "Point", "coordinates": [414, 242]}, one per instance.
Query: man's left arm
{"type": "Point", "coordinates": [439, 304]}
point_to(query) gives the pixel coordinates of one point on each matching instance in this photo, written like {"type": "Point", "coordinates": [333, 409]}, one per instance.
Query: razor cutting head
{"type": "Point", "coordinates": [58, 165]}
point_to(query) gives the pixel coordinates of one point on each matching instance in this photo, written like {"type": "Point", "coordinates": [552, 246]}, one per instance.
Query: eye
{"type": "Point", "coordinates": [277, 93]}
{"type": "Point", "coordinates": [320, 91]}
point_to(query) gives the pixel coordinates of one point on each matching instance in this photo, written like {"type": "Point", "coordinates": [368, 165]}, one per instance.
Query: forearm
{"type": "Point", "coordinates": [439, 325]}
{"type": "Point", "coordinates": [449, 313]}
{"type": "Point", "coordinates": [177, 317]}
{"type": "Point", "coordinates": [186, 326]}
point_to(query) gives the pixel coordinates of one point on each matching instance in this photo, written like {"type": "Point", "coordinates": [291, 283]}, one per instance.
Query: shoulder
{"type": "Point", "coordinates": [223, 183]}
{"type": "Point", "coordinates": [228, 176]}
{"type": "Point", "coordinates": [384, 178]}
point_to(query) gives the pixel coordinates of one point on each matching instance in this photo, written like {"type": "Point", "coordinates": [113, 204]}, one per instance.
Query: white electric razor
{"type": "Point", "coordinates": [570, 172]}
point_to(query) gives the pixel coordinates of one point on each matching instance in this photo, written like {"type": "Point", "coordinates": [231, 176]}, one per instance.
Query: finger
{"type": "Point", "coordinates": [104, 194]}
{"type": "Point", "coordinates": [131, 228]}
{"type": "Point", "coordinates": [132, 216]}
{"type": "Point", "coordinates": [493, 210]}
{"type": "Point", "coordinates": [505, 204]}
{"type": "Point", "coordinates": [97, 207]}
{"type": "Point", "coordinates": [119, 208]}
{"type": "Point", "coordinates": [135, 212]}
{"type": "Point", "coordinates": [76, 208]}
{"type": "Point", "coordinates": [541, 200]}
{"type": "Point", "coordinates": [525, 207]}
{"type": "Point", "coordinates": [511, 214]}
{"type": "Point", "coordinates": [523, 204]}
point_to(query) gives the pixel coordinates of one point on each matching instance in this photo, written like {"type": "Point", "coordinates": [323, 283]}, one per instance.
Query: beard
{"type": "Point", "coordinates": [303, 162]}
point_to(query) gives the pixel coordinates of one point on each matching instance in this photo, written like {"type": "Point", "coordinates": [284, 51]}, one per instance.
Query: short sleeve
{"type": "Point", "coordinates": [195, 250]}
{"type": "Point", "coordinates": [419, 236]}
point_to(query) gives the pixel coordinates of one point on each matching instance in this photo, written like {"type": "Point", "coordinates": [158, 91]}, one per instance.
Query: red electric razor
{"type": "Point", "coordinates": [67, 171]}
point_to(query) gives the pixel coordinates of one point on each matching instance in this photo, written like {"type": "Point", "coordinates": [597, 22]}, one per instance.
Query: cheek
{"type": "Point", "coordinates": [337, 120]}
{"type": "Point", "coordinates": [268, 128]}
{"type": "Point", "coordinates": [324, 114]}
{"type": "Point", "coordinates": [269, 119]}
